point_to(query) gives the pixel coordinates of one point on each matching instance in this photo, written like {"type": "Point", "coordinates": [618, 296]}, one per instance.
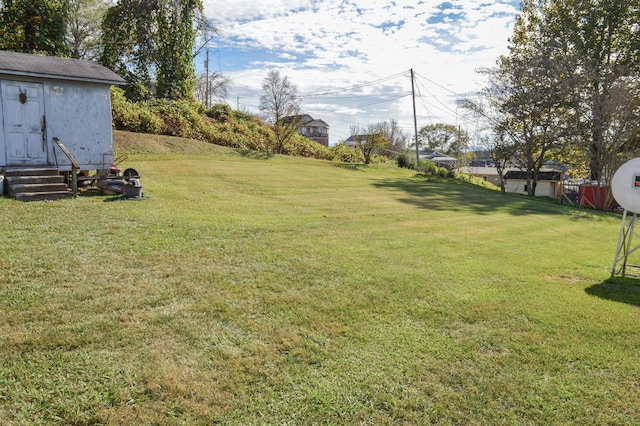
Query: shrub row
{"type": "Point", "coordinates": [220, 125]}
{"type": "Point", "coordinates": [408, 160]}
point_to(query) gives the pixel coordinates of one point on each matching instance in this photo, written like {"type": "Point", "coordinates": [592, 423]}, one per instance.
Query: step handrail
{"type": "Point", "coordinates": [74, 166]}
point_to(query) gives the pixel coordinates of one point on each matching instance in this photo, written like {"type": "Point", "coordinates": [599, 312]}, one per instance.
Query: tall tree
{"type": "Point", "coordinates": [395, 136]}
{"type": "Point", "coordinates": [151, 43]}
{"type": "Point", "coordinates": [502, 153]}
{"type": "Point", "coordinates": [445, 138]}
{"type": "Point", "coordinates": [33, 26]}
{"type": "Point", "coordinates": [528, 93]}
{"type": "Point", "coordinates": [572, 76]}
{"type": "Point", "coordinates": [211, 87]}
{"type": "Point", "coordinates": [84, 34]}
{"type": "Point", "coordinates": [370, 140]}
{"type": "Point", "coordinates": [602, 40]}
{"type": "Point", "coordinates": [280, 105]}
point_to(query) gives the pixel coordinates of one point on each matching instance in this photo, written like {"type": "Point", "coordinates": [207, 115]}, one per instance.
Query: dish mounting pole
{"type": "Point", "coordinates": [627, 231]}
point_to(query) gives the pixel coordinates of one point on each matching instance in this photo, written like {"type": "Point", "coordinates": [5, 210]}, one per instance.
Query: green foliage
{"type": "Point", "coordinates": [180, 118]}
{"type": "Point", "coordinates": [407, 160]}
{"type": "Point", "coordinates": [133, 116]}
{"type": "Point", "coordinates": [176, 75]}
{"type": "Point", "coordinates": [571, 78]}
{"type": "Point", "coordinates": [223, 112]}
{"type": "Point", "coordinates": [347, 154]}
{"type": "Point", "coordinates": [220, 112]}
{"type": "Point", "coordinates": [300, 146]}
{"type": "Point", "coordinates": [33, 26]}
{"type": "Point", "coordinates": [371, 140]}
{"type": "Point", "coordinates": [474, 180]}
{"type": "Point", "coordinates": [445, 138]}
{"type": "Point", "coordinates": [84, 36]}
{"type": "Point", "coordinates": [147, 40]}
{"type": "Point", "coordinates": [220, 125]}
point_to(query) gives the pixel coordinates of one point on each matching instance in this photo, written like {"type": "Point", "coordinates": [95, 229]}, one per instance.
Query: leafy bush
{"type": "Point", "coordinates": [427, 167]}
{"type": "Point", "coordinates": [406, 160]}
{"type": "Point", "coordinates": [302, 147]}
{"type": "Point", "coordinates": [409, 161]}
{"type": "Point", "coordinates": [220, 125]}
{"type": "Point", "coordinates": [181, 118]}
{"type": "Point", "coordinates": [346, 154]}
{"type": "Point", "coordinates": [133, 116]}
{"type": "Point", "coordinates": [220, 112]}
{"type": "Point", "coordinates": [462, 177]}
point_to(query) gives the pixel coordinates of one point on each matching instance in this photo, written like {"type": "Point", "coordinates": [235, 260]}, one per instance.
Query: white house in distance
{"type": "Point", "coordinates": [549, 183]}
{"type": "Point", "coordinates": [44, 98]}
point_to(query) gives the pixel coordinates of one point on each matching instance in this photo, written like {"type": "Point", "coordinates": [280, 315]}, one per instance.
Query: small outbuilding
{"type": "Point", "coordinates": [45, 99]}
{"type": "Point", "coordinates": [549, 183]}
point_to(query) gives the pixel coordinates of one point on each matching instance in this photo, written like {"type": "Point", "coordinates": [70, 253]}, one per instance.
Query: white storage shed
{"type": "Point", "coordinates": [43, 98]}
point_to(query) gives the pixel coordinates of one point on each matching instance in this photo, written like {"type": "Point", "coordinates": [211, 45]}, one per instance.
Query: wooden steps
{"type": "Point", "coordinates": [36, 184]}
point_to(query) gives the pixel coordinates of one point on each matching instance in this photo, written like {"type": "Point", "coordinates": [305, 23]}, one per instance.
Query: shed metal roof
{"type": "Point", "coordinates": [25, 64]}
{"type": "Point", "coordinates": [522, 175]}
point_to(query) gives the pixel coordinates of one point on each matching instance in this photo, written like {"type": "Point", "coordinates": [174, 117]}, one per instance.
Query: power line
{"type": "Point", "coordinates": [351, 88]}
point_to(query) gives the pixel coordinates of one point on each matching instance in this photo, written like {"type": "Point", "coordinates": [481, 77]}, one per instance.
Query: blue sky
{"type": "Point", "coordinates": [350, 59]}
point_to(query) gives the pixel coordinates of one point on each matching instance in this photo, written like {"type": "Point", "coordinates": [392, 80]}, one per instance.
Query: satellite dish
{"type": "Point", "coordinates": [625, 185]}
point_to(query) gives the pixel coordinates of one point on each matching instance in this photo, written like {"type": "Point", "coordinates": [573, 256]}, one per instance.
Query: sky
{"type": "Point", "coordinates": [350, 60]}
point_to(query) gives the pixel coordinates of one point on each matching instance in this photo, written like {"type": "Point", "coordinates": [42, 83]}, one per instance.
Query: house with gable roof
{"type": "Point", "coordinates": [311, 128]}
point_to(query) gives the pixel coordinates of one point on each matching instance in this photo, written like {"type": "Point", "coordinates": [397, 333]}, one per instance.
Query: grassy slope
{"type": "Point", "coordinates": [248, 289]}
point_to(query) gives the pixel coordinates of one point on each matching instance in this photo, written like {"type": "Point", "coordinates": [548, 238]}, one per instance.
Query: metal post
{"type": "Point", "coordinates": [624, 243]}
{"type": "Point", "coordinates": [74, 180]}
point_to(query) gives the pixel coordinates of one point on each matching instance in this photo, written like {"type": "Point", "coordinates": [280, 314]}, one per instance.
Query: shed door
{"type": "Point", "coordinates": [24, 129]}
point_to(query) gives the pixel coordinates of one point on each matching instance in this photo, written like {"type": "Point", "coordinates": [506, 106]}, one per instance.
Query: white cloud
{"type": "Point", "coordinates": [324, 45]}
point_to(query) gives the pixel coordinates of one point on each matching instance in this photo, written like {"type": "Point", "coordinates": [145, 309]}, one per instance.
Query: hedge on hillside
{"type": "Point", "coordinates": [220, 125]}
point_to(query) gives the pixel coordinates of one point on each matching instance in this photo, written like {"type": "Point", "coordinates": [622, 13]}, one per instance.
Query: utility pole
{"type": "Point", "coordinates": [415, 121]}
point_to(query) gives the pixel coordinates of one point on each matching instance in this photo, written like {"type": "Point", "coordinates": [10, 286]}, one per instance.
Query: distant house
{"type": "Point", "coordinates": [487, 173]}
{"type": "Point", "coordinates": [353, 140]}
{"type": "Point", "coordinates": [440, 159]}
{"type": "Point", "coordinates": [316, 130]}
{"type": "Point", "coordinates": [549, 183]}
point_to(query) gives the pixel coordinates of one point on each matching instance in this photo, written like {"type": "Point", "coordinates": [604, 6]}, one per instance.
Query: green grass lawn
{"type": "Point", "coordinates": [248, 289]}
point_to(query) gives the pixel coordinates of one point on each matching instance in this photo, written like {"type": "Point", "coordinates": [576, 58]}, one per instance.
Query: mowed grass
{"type": "Point", "coordinates": [249, 289]}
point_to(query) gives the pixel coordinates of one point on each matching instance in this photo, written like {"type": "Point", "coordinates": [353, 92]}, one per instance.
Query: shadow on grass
{"type": "Point", "coordinates": [451, 195]}
{"type": "Point", "coordinates": [352, 166]}
{"type": "Point", "coordinates": [255, 155]}
{"type": "Point", "coordinates": [617, 289]}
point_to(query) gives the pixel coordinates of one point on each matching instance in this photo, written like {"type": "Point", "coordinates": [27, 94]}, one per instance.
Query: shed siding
{"type": "Point", "coordinates": [543, 188]}
{"type": "Point", "coordinates": [3, 158]}
{"type": "Point", "coordinates": [79, 114]}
